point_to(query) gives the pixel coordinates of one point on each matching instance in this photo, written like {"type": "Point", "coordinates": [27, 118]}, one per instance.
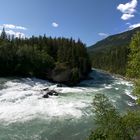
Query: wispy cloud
{"type": "Point", "coordinates": [13, 27]}
{"type": "Point", "coordinates": [103, 34]}
{"type": "Point", "coordinates": [54, 24]}
{"type": "Point", "coordinates": [134, 26]}
{"type": "Point", "coordinates": [128, 9]}
{"type": "Point", "coordinates": [16, 34]}
{"type": "Point", "coordinates": [127, 16]}
{"type": "Point", "coordinates": [128, 23]}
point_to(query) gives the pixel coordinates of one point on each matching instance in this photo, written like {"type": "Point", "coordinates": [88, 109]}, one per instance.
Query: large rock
{"type": "Point", "coordinates": [45, 89]}
{"type": "Point", "coordinates": [61, 75]}
{"type": "Point", "coordinates": [50, 93]}
{"type": "Point", "coordinates": [46, 95]}
{"type": "Point", "coordinates": [55, 93]}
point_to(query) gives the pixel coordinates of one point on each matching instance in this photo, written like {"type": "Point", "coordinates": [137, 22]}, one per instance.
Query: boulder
{"type": "Point", "coordinates": [61, 73]}
{"type": "Point", "coordinates": [52, 93]}
{"type": "Point", "coordinates": [45, 89]}
{"type": "Point", "coordinates": [46, 95]}
{"type": "Point", "coordinates": [59, 85]}
{"type": "Point", "coordinates": [56, 94]}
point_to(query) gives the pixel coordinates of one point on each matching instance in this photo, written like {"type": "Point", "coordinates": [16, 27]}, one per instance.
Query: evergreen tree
{"type": "Point", "coordinates": [3, 34]}
{"type": "Point", "coordinates": [41, 56]}
{"type": "Point", "coordinates": [110, 125]}
{"type": "Point", "coordinates": [133, 69]}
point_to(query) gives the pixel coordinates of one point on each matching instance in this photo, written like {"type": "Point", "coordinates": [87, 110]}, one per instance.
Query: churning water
{"type": "Point", "coordinates": [25, 115]}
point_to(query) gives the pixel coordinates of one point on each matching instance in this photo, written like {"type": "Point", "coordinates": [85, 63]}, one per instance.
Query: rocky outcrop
{"type": "Point", "coordinates": [45, 89]}
{"type": "Point", "coordinates": [46, 96]}
{"type": "Point", "coordinates": [61, 75]}
{"type": "Point", "coordinates": [49, 93]}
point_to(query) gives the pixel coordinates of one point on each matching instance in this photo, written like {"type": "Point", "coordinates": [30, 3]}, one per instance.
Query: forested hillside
{"type": "Point", "coordinates": [57, 59]}
{"type": "Point", "coordinates": [111, 54]}
{"type": "Point", "coordinates": [126, 61]}
{"type": "Point", "coordinates": [133, 65]}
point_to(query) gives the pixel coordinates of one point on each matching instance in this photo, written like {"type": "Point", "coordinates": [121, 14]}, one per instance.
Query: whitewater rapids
{"type": "Point", "coordinates": [68, 116]}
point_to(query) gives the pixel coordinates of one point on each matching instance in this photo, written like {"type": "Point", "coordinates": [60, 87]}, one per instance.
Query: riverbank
{"type": "Point", "coordinates": [116, 75]}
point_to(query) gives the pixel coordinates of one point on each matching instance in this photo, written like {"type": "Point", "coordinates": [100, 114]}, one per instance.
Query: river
{"type": "Point", "coordinates": [25, 115]}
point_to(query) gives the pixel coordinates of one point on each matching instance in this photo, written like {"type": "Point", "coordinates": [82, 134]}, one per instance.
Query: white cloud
{"type": "Point", "coordinates": [11, 26]}
{"type": "Point", "coordinates": [54, 24]}
{"type": "Point", "coordinates": [128, 9]}
{"type": "Point", "coordinates": [13, 30]}
{"type": "Point", "coordinates": [126, 16]}
{"type": "Point", "coordinates": [134, 26]}
{"type": "Point", "coordinates": [16, 34]}
{"type": "Point", "coordinates": [103, 34]}
{"type": "Point", "coordinates": [21, 28]}
{"type": "Point", "coordinates": [128, 23]}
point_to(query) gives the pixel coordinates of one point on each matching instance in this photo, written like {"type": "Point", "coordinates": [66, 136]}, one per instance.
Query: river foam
{"type": "Point", "coordinates": [21, 98]}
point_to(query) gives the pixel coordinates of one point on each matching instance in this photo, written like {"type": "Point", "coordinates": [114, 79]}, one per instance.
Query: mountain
{"type": "Point", "coordinates": [117, 40]}
{"type": "Point", "coordinates": [111, 53]}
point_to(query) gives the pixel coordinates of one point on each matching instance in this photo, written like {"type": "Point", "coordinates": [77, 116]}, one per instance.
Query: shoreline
{"type": "Point", "coordinates": [115, 75]}
{"type": "Point", "coordinates": [122, 77]}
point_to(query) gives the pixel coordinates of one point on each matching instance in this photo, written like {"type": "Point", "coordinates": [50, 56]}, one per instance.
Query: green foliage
{"type": "Point", "coordinates": [110, 125]}
{"type": "Point", "coordinates": [111, 54]}
{"type": "Point", "coordinates": [75, 55]}
{"type": "Point", "coordinates": [75, 75]}
{"type": "Point", "coordinates": [133, 69]}
{"type": "Point", "coordinates": [136, 90]}
{"type": "Point", "coordinates": [132, 122]}
{"type": "Point", "coordinates": [3, 34]}
{"type": "Point", "coordinates": [40, 56]}
{"type": "Point", "coordinates": [113, 60]}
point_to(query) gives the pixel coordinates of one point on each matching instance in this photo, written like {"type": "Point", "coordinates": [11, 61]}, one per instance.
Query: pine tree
{"type": "Point", "coordinates": [110, 124]}
{"type": "Point", "coordinates": [133, 69]}
{"type": "Point", "coordinates": [3, 34]}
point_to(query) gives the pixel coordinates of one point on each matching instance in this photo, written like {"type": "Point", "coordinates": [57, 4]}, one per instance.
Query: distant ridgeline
{"type": "Point", "coordinates": [111, 54]}
{"type": "Point", "coordinates": [59, 59]}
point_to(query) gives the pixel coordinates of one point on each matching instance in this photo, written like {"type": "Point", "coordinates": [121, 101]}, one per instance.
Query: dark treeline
{"type": "Point", "coordinates": [124, 60]}
{"type": "Point", "coordinates": [113, 60]}
{"type": "Point", "coordinates": [110, 124]}
{"type": "Point", "coordinates": [57, 59]}
{"type": "Point", "coordinates": [111, 54]}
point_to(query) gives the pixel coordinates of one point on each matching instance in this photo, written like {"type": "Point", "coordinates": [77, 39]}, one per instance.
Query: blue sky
{"type": "Point", "coordinates": [89, 20]}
